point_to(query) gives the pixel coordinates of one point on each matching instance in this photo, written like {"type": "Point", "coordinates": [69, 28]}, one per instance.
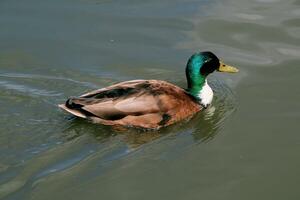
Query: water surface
{"type": "Point", "coordinates": [244, 147]}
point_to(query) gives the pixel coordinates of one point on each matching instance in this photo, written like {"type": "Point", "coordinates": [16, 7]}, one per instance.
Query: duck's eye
{"type": "Point", "coordinates": [206, 61]}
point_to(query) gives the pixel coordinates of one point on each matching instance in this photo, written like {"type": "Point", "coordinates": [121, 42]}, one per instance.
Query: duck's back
{"type": "Point", "coordinates": [138, 103]}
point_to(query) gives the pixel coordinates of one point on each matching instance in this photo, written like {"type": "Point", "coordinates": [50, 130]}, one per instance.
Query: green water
{"type": "Point", "coordinates": [246, 146]}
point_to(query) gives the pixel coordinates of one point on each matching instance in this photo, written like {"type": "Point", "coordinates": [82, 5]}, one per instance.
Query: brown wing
{"type": "Point", "coordinates": [117, 101]}
{"type": "Point", "coordinates": [144, 103]}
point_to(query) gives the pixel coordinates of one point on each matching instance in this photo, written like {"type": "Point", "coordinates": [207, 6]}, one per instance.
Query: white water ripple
{"type": "Point", "coordinates": [27, 90]}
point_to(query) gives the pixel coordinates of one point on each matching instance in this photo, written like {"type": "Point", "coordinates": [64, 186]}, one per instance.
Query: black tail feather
{"type": "Point", "coordinates": [70, 104]}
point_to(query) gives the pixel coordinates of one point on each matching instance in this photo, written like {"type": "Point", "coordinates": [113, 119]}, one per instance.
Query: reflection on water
{"type": "Point", "coordinates": [256, 32]}
{"type": "Point", "coordinates": [211, 119]}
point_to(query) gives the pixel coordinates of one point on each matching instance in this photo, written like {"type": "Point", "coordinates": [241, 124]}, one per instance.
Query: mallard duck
{"type": "Point", "coordinates": [150, 104]}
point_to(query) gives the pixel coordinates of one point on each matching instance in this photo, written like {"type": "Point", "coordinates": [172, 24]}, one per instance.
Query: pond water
{"type": "Point", "coordinates": [245, 146]}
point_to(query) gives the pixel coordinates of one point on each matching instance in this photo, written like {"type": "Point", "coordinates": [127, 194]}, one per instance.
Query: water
{"type": "Point", "coordinates": [244, 147]}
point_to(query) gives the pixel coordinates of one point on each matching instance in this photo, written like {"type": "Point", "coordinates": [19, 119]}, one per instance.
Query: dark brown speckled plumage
{"type": "Point", "coordinates": [147, 104]}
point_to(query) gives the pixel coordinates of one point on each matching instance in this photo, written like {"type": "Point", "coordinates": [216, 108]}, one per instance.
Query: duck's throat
{"type": "Point", "coordinates": [202, 92]}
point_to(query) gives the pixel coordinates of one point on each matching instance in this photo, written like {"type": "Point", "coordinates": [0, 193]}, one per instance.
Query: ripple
{"type": "Point", "coordinates": [268, 1]}
{"type": "Point", "coordinates": [27, 90]}
{"type": "Point", "coordinates": [249, 16]}
{"type": "Point", "coordinates": [44, 77]}
{"type": "Point", "coordinates": [292, 22]}
{"type": "Point", "coordinates": [289, 51]}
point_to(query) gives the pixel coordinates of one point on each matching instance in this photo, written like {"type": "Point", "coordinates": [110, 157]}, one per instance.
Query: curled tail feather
{"type": "Point", "coordinates": [74, 107]}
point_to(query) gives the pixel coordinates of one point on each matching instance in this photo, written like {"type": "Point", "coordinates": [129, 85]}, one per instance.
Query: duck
{"type": "Point", "coordinates": [150, 104]}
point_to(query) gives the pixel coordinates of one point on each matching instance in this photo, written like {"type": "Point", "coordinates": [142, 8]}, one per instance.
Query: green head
{"type": "Point", "coordinates": [199, 66]}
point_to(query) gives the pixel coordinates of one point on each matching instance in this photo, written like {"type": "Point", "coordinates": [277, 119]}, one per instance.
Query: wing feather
{"type": "Point", "coordinates": [117, 101]}
{"type": "Point", "coordinates": [144, 103]}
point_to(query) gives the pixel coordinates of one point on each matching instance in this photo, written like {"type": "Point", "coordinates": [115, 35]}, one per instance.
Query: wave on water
{"type": "Point", "coordinates": [27, 90]}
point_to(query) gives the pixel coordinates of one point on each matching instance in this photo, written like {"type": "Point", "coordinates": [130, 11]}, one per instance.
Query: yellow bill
{"type": "Point", "coordinates": [227, 68]}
